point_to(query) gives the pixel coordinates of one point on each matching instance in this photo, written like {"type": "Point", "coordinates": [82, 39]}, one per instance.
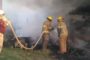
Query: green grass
{"type": "Point", "coordinates": [19, 54]}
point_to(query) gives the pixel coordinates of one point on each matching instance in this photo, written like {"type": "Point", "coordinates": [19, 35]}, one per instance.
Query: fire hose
{"type": "Point", "coordinates": [18, 41]}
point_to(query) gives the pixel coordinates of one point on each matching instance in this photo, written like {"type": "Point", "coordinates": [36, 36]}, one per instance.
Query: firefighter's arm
{"type": "Point", "coordinates": [44, 27]}
{"type": "Point", "coordinates": [6, 20]}
{"type": "Point", "coordinates": [51, 28]}
{"type": "Point", "coordinates": [60, 27]}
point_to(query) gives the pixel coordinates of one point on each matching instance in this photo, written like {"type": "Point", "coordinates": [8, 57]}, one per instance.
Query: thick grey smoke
{"type": "Point", "coordinates": [0, 4]}
{"type": "Point", "coordinates": [28, 15]}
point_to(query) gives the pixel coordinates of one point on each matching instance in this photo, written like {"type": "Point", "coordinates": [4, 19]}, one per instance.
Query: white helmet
{"type": "Point", "coordinates": [1, 12]}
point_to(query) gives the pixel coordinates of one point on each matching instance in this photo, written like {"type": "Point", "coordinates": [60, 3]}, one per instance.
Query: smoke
{"type": "Point", "coordinates": [0, 4]}
{"type": "Point", "coordinates": [28, 16]}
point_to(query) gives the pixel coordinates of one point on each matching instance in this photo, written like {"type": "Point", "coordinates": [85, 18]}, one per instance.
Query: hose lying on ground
{"type": "Point", "coordinates": [21, 45]}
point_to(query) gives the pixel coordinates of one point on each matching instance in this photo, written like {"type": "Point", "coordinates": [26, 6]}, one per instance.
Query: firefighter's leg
{"type": "Point", "coordinates": [63, 44]}
{"type": "Point", "coordinates": [1, 42]}
{"type": "Point", "coordinates": [45, 41]}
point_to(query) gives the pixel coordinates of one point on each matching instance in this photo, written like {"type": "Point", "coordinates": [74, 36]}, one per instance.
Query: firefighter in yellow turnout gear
{"type": "Point", "coordinates": [47, 27]}
{"type": "Point", "coordinates": [3, 24]}
{"type": "Point", "coordinates": [62, 35]}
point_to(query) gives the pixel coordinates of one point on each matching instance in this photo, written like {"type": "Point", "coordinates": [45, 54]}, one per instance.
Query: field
{"type": "Point", "coordinates": [19, 54]}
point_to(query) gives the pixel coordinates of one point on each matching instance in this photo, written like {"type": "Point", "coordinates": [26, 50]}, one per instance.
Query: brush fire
{"type": "Point", "coordinates": [61, 26]}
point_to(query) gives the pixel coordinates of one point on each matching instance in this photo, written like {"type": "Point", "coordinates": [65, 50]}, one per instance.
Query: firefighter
{"type": "Point", "coordinates": [47, 27]}
{"type": "Point", "coordinates": [3, 24]}
{"type": "Point", "coordinates": [62, 35]}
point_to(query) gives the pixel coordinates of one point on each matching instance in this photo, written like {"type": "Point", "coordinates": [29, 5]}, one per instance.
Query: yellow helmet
{"type": "Point", "coordinates": [50, 18]}
{"type": "Point", "coordinates": [1, 12]}
{"type": "Point", "coordinates": [60, 18]}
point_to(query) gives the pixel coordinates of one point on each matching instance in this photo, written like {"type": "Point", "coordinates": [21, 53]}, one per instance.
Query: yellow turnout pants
{"type": "Point", "coordinates": [45, 40]}
{"type": "Point", "coordinates": [63, 44]}
{"type": "Point", "coordinates": [1, 41]}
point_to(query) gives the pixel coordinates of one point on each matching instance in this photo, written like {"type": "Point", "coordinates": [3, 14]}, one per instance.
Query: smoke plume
{"type": "Point", "coordinates": [0, 4]}
{"type": "Point", "coordinates": [28, 16]}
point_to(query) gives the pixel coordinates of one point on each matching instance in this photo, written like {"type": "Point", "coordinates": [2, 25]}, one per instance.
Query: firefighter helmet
{"type": "Point", "coordinates": [1, 12]}
{"type": "Point", "coordinates": [50, 18]}
{"type": "Point", "coordinates": [60, 18]}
